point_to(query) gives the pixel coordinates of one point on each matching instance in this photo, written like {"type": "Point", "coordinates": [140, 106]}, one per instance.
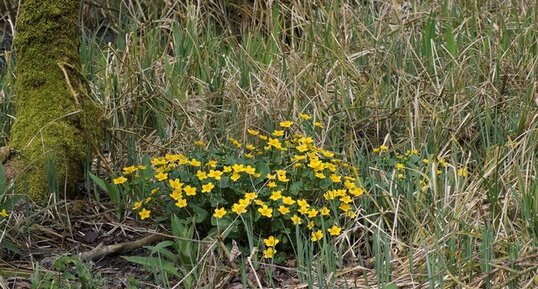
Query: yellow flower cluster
{"type": "Point", "coordinates": [278, 175]}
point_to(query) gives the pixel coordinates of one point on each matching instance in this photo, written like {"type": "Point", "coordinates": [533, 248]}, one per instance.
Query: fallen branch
{"type": "Point", "coordinates": [102, 251]}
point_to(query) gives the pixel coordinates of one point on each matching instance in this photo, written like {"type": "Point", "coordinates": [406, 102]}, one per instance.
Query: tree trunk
{"type": "Point", "coordinates": [56, 124]}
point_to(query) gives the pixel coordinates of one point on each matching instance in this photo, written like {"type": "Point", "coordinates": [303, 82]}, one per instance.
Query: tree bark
{"type": "Point", "coordinates": [56, 124]}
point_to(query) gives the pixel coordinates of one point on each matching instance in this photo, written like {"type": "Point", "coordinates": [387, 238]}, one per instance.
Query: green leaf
{"type": "Point", "coordinates": [200, 214]}
{"type": "Point", "coordinates": [99, 182]}
{"type": "Point", "coordinates": [296, 187]}
{"type": "Point", "coordinates": [153, 263]}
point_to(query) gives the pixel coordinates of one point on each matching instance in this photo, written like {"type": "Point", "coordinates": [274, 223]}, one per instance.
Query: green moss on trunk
{"type": "Point", "coordinates": [56, 120]}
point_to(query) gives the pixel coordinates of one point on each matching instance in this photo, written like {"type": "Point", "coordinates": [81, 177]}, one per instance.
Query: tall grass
{"type": "Point", "coordinates": [452, 79]}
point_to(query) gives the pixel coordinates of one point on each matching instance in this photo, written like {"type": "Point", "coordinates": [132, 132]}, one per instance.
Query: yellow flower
{"type": "Point", "coordinates": [462, 172]}
{"type": "Point", "coordinates": [3, 213]}
{"type": "Point", "coordinates": [216, 174]}
{"type": "Point", "coordinates": [400, 166]}
{"type": "Point", "coordinates": [315, 164]}
{"type": "Point", "coordinates": [271, 177]}
{"type": "Point", "coordinates": [283, 210]}
{"type": "Point", "coordinates": [175, 184]}
{"type": "Point", "coordinates": [262, 137]}
{"type": "Point", "coordinates": [320, 175]}
{"type": "Point", "coordinates": [275, 143]}
{"type": "Point", "coordinates": [276, 195]}
{"type": "Point", "coordinates": [304, 116]}
{"type": "Point", "coordinates": [282, 178]}
{"type": "Point", "coordinates": [176, 195]}
{"type": "Point", "coordinates": [310, 225]}
{"type": "Point", "coordinates": [250, 170]}
{"type": "Point", "coordinates": [324, 211]}
{"type": "Point", "coordinates": [201, 175]}
{"type": "Point", "coordinates": [288, 201]}
{"type": "Point", "coordinates": [278, 133]}
{"type": "Point", "coordinates": [181, 203]}
{"type": "Point", "coordinates": [250, 147]}
{"type": "Point", "coordinates": [189, 191]}
{"type": "Point", "coordinates": [312, 213]}
{"type": "Point", "coordinates": [253, 132]}
{"type": "Point", "coordinates": [219, 213]}
{"type": "Point", "coordinates": [161, 176]}
{"type": "Point", "coordinates": [356, 191]}
{"type": "Point", "coordinates": [144, 214]}
{"type": "Point", "coordinates": [376, 150]}
{"type": "Point", "coordinates": [235, 176]}
{"type": "Point", "coordinates": [318, 124]}
{"type": "Point", "coordinates": [297, 158]}
{"type": "Point", "coordinates": [251, 196]}
{"type": "Point", "coordinates": [195, 163]}
{"type": "Point", "coordinates": [207, 187]}
{"type": "Point", "coordinates": [271, 241]}
{"type": "Point", "coordinates": [271, 185]}
{"type": "Point", "coordinates": [383, 148]}
{"type": "Point", "coordinates": [296, 220]}
{"type": "Point", "coordinates": [302, 148]}
{"type": "Point", "coordinates": [335, 178]}
{"type": "Point", "coordinates": [286, 123]}
{"type": "Point", "coordinates": [334, 230]}
{"type": "Point", "coordinates": [346, 199]}
{"type": "Point", "coordinates": [129, 170]}
{"type": "Point", "coordinates": [349, 185]}
{"type": "Point", "coordinates": [317, 235]}
{"type": "Point", "coordinates": [266, 211]}
{"type": "Point", "coordinates": [212, 163]}
{"type": "Point", "coordinates": [238, 168]}
{"type": "Point", "coordinates": [303, 210]}
{"type": "Point", "coordinates": [154, 191]}
{"type": "Point", "coordinates": [269, 253]}
{"type": "Point", "coordinates": [227, 169]}
{"type": "Point", "coordinates": [159, 161]}
{"type": "Point", "coordinates": [141, 167]}
{"type": "Point", "coordinates": [303, 203]}
{"type": "Point", "coordinates": [239, 208]}
{"type": "Point", "coordinates": [119, 180]}
{"type": "Point", "coordinates": [199, 143]}
{"type": "Point", "coordinates": [344, 207]}
{"type": "Point", "coordinates": [137, 205]}
{"type": "Point", "coordinates": [235, 142]}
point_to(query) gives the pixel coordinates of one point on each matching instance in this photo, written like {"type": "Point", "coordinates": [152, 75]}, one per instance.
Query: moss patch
{"type": "Point", "coordinates": [55, 117]}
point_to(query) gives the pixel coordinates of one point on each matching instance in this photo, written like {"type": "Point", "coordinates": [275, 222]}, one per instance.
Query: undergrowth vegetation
{"type": "Point", "coordinates": [346, 143]}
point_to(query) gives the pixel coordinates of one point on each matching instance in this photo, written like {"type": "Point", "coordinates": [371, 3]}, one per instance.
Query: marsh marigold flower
{"type": "Point", "coordinates": [207, 187]}
{"type": "Point", "coordinates": [271, 241]}
{"type": "Point", "coordinates": [296, 220]}
{"type": "Point", "coordinates": [144, 214]}
{"type": "Point", "coordinates": [266, 211]}
{"type": "Point", "coordinates": [286, 123]}
{"type": "Point", "coordinates": [4, 213]}
{"type": "Point", "coordinates": [317, 235]}
{"type": "Point", "coordinates": [269, 253]}
{"type": "Point", "coordinates": [161, 176]}
{"type": "Point", "coordinates": [119, 180]}
{"type": "Point", "coordinates": [334, 230]}
{"type": "Point", "coordinates": [219, 213]}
